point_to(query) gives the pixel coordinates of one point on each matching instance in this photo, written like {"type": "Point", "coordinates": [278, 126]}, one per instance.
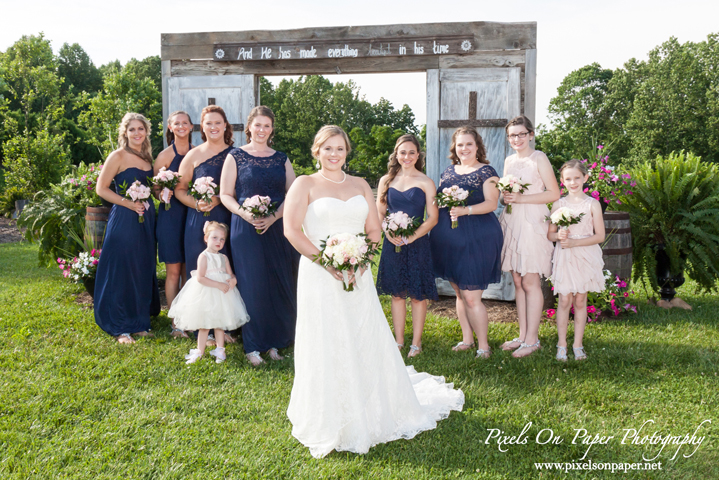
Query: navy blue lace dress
{"type": "Point", "coordinates": [194, 236]}
{"type": "Point", "coordinates": [266, 265]}
{"type": "Point", "coordinates": [171, 224]}
{"type": "Point", "coordinates": [409, 272]}
{"type": "Point", "coordinates": [126, 294]}
{"type": "Point", "coordinates": [470, 255]}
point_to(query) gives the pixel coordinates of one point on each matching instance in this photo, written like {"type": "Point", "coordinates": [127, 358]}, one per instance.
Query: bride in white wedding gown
{"type": "Point", "coordinates": [351, 389]}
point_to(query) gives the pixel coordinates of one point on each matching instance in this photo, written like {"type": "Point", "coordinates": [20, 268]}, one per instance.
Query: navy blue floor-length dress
{"type": "Point", "coordinates": [266, 265]}
{"type": "Point", "coordinates": [171, 224]}
{"type": "Point", "coordinates": [194, 236]}
{"type": "Point", "coordinates": [126, 293]}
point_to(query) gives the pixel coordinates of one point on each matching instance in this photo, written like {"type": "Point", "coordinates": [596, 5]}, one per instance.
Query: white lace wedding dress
{"type": "Point", "coordinates": [352, 389]}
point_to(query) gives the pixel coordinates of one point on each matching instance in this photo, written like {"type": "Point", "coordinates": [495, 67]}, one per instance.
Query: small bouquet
{"type": "Point", "coordinates": [82, 267]}
{"type": "Point", "coordinates": [168, 180]}
{"type": "Point", "coordinates": [453, 196]}
{"type": "Point", "coordinates": [345, 252]}
{"type": "Point", "coordinates": [137, 192]}
{"type": "Point", "coordinates": [259, 207]}
{"type": "Point", "coordinates": [511, 184]}
{"type": "Point", "coordinates": [564, 217]}
{"type": "Point", "coordinates": [399, 224]}
{"type": "Point", "coordinates": [203, 189]}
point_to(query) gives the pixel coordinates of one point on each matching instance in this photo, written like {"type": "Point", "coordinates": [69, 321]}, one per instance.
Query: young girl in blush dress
{"type": "Point", "coordinates": [210, 299]}
{"type": "Point", "coordinates": [526, 252]}
{"type": "Point", "coordinates": [577, 264]}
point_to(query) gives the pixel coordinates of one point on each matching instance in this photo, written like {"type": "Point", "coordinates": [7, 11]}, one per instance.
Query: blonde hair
{"type": "Point", "coordinates": [393, 166]}
{"type": "Point", "coordinates": [467, 130]}
{"type": "Point", "coordinates": [260, 111]}
{"type": "Point", "coordinates": [169, 134]}
{"type": "Point", "coordinates": [146, 149]}
{"type": "Point", "coordinates": [210, 226]}
{"type": "Point", "coordinates": [324, 134]}
{"type": "Point", "coordinates": [228, 126]}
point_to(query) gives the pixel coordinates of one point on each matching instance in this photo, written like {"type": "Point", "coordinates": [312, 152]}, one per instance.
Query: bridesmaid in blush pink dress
{"type": "Point", "coordinates": [526, 251]}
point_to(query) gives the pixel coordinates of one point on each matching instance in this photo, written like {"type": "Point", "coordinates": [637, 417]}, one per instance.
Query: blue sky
{"type": "Point", "coordinates": [571, 34]}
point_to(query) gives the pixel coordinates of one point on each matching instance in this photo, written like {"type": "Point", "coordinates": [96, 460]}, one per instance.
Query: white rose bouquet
{"type": "Point", "coordinates": [204, 189]}
{"type": "Point", "coordinates": [564, 217]}
{"type": "Point", "coordinates": [453, 196]}
{"type": "Point", "coordinates": [511, 184]}
{"type": "Point", "coordinates": [259, 207]}
{"type": "Point", "coordinates": [399, 224]}
{"type": "Point", "coordinates": [346, 252]}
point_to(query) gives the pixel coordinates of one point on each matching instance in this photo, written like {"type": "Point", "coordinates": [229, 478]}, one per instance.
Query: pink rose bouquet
{"type": "Point", "coordinates": [453, 196]}
{"type": "Point", "coordinates": [259, 207]}
{"type": "Point", "coordinates": [203, 189]}
{"type": "Point", "coordinates": [511, 184]}
{"type": "Point", "coordinates": [399, 224]}
{"type": "Point", "coordinates": [137, 192]}
{"type": "Point", "coordinates": [168, 180]}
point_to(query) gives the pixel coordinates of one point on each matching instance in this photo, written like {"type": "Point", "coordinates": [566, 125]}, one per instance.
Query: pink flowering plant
{"type": "Point", "coordinates": [346, 252]}
{"type": "Point", "coordinates": [453, 196]}
{"type": "Point", "coordinates": [511, 184]}
{"type": "Point", "coordinates": [82, 182]}
{"type": "Point", "coordinates": [607, 183]}
{"type": "Point", "coordinates": [204, 189]}
{"type": "Point", "coordinates": [399, 224]}
{"type": "Point", "coordinates": [80, 268]}
{"type": "Point", "coordinates": [137, 192]}
{"type": "Point", "coordinates": [259, 207]}
{"type": "Point", "coordinates": [167, 180]}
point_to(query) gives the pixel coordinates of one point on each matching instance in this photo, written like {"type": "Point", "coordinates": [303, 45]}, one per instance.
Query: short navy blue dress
{"type": "Point", "coordinates": [409, 272]}
{"type": "Point", "coordinates": [126, 293]}
{"type": "Point", "coordinates": [171, 223]}
{"type": "Point", "coordinates": [266, 265]}
{"type": "Point", "coordinates": [194, 235]}
{"type": "Point", "coordinates": [470, 255]}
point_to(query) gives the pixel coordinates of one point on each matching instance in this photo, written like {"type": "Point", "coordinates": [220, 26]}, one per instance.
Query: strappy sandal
{"type": "Point", "coordinates": [178, 333]}
{"type": "Point", "coordinates": [274, 354]}
{"type": "Point", "coordinates": [525, 346]}
{"type": "Point", "coordinates": [506, 345]}
{"type": "Point", "coordinates": [579, 353]}
{"type": "Point", "coordinates": [193, 356]}
{"type": "Point", "coordinates": [400, 345]}
{"type": "Point", "coordinates": [414, 350]}
{"type": "Point", "coordinates": [125, 338]}
{"type": "Point", "coordinates": [561, 353]}
{"type": "Point", "coordinates": [254, 358]}
{"type": "Point", "coordinates": [481, 353]}
{"type": "Point", "coordinates": [219, 354]}
{"type": "Point", "coordinates": [462, 346]}
{"type": "Point", "coordinates": [211, 342]}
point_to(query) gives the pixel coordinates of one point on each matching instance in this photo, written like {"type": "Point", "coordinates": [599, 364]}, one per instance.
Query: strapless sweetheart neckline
{"type": "Point", "coordinates": [335, 198]}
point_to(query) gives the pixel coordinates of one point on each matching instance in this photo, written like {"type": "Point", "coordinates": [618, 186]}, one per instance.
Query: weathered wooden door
{"type": "Point", "coordinates": [234, 93]}
{"type": "Point", "coordinates": [485, 98]}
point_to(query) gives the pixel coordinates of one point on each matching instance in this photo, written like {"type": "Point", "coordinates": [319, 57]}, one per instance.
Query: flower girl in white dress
{"type": "Point", "coordinates": [210, 299]}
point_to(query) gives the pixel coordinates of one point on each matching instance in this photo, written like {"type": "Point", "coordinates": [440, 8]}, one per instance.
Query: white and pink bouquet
{"type": "Point", "coordinates": [80, 268]}
{"type": "Point", "coordinates": [453, 196]}
{"type": "Point", "coordinates": [346, 252]}
{"type": "Point", "coordinates": [259, 207]}
{"type": "Point", "coordinates": [511, 184]}
{"type": "Point", "coordinates": [167, 180]}
{"type": "Point", "coordinates": [137, 192]}
{"type": "Point", "coordinates": [399, 224]}
{"type": "Point", "coordinates": [204, 189]}
{"type": "Point", "coordinates": [564, 217]}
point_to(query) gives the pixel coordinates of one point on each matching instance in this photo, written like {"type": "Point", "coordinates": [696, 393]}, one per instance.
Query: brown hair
{"type": "Point", "coordinates": [393, 166]}
{"type": "Point", "coordinates": [169, 135]}
{"type": "Point", "coordinates": [228, 126]}
{"type": "Point", "coordinates": [574, 163]}
{"type": "Point", "coordinates": [467, 130]}
{"type": "Point", "coordinates": [146, 149]}
{"type": "Point", "coordinates": [520, 120]}
{"type": "Point", "coordinates": [324, 134]}
{"type": "Point", "coordinates": [210, 226]}
{"type": "Point", "coordinates": [260, 111]}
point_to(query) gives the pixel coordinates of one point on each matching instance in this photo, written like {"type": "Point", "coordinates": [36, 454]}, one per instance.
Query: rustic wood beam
{"type": "Point", "coordinates": [497, 122]}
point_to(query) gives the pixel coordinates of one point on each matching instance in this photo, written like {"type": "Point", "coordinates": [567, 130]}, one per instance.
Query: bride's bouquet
{"type": "Point", "coordinates": [346, 252]}
{"type": "Point", "coordinates": [137, 192]}
{"type": "Point", "coordinates": [167, 180]}
{"type": "Point", "coordinates": [511, 184]}
{"type": "Point", "coordinates": [259, 207]}
{"type": "Point", "coordinates": [564, 217]}
{"type": "Point", "coordinates": [203, 189]}
{"type": "Point", "coordinates": [453, 196]}
{"type": "Point", "coordinates": [399, 224]}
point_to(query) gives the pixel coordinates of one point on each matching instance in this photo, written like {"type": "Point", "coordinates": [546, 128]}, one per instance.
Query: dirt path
{"type": "Point", "coordinates": [8, 231]}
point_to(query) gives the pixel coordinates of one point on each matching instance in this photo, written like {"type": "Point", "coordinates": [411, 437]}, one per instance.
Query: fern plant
{"type": "Point", "coordinates": [676, 204]}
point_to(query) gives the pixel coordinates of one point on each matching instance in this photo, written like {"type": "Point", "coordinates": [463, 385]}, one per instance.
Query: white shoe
{"type": "Point", "coordinates": [219, 354]}
{"type": "Point", "coordinates": [193, 356]}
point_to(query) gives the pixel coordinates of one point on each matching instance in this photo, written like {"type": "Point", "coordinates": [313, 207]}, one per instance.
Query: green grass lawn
{"type": "Point", "coordinates": [75, 404]}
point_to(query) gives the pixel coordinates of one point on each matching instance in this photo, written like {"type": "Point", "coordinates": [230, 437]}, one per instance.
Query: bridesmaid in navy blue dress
{"type": "Point", "coordinates": [265, 263]}
{"type": "Point", "coordinates": [469, 257]}
{"type": "Point", "coordinates": [126, 294]}
{"type": "Point", "coordinates": [171, 223]}
{"type": "Point", "coordinates": [408, 273]}
{"type": "Point", "coordinates": [205, 160]}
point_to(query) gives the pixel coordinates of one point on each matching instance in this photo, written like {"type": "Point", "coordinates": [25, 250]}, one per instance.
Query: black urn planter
{"type": "Point", "coordinates": [667, 283]}
{"type": "Point", "coordinates": [89, 284]}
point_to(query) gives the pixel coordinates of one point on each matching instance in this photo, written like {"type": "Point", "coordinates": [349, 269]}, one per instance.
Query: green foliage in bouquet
{"type": "Point", "coordinates": [676, 203]}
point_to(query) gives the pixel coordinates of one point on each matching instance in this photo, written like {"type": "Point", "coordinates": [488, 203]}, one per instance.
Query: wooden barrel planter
{"type": "Point", "coordinates": [95, 225]}
{"type": "Point", "coordinates": [617, 248]}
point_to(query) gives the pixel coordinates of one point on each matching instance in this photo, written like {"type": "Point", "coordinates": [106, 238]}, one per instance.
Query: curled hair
{"type": "Point", "coordinates": [145, 152]}
{"type": "Point", "coordinates": [260, 111]}
{"type": "Point", "coordinates": [228, 126]}
{"type": "Point", "coordinates": [467, 130]}
{"type": "Point", "coordinates": [574, 163]}
{"type": "Point", "coordinates": [169, 134]}
{"type": "Point", "coordinates": [324, 134]}
{"type": "Point", "coordinates": [520, 120]}
{"type": "Point", "coordinates": [210, 226]}
{"type": "Point", "coordinates": [393, 166]}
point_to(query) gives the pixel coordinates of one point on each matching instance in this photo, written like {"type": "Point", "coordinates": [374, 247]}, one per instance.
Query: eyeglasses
{"type": "Point", "coordinates": [519, 135]}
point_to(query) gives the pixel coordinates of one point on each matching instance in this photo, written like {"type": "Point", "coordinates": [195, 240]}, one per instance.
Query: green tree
{"type": "Point", "coordinates": [80, 74]}
{"type": "Point", "coordinates": [372, 151]}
